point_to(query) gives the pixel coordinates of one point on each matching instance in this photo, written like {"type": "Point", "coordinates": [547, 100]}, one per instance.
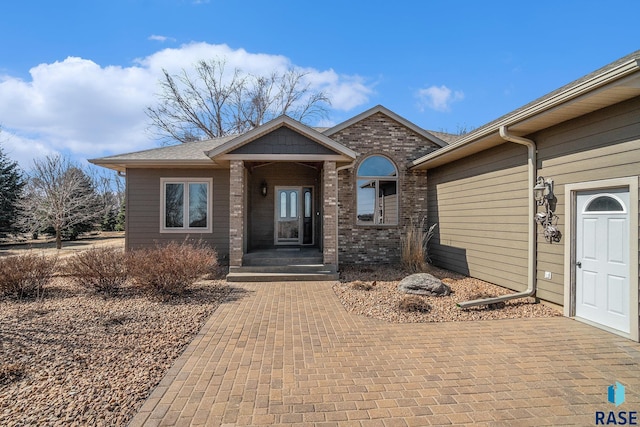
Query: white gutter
{"type": "Point", "coordinates": [531, 260]}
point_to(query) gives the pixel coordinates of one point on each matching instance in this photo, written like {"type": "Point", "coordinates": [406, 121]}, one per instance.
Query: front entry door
{"type": "Point", "coordinates": [602, 258]}
{"type": "Point", "coordinates": [287, 216]}
{"type": "Point", "coordinates": [294, 216]}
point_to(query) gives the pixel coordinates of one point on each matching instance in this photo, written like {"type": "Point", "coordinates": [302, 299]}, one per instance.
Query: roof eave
{"type": "Point", "coordinates": [122, 165]}
{"type": "Point", "coordinates": [488, 136]}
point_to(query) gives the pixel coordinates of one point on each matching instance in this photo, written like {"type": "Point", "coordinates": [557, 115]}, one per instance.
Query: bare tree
{"type": "Point", "coordinates": [214, 103]}
{"type": "Point", "coordinates": [109, 187]}
{"type": "Point", "coordinates": [59, 195]}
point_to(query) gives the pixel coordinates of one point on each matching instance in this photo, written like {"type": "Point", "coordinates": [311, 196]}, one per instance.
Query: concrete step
{"type": "Point", "coordinates": [282, 261]}
{"type": "Point", "coordinates": [282, 273]}
{"type": "Point", "coordinates": [294, 268]}
{"type": "Point", "coordinates": [281, 277]}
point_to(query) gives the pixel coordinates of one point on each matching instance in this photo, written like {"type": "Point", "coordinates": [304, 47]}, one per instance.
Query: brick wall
{"type": "Point", "coordinates": [236, 213]}
{"type": "Point", "coordinates": [329, 220]}
{"type": "Point", "coordinates": [379, 134]}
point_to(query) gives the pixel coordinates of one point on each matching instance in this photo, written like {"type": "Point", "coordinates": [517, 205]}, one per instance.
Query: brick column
{"type": "Point", "coordinates": [236, 213]}
{"type": "Point", "coordinates": [330, 214]}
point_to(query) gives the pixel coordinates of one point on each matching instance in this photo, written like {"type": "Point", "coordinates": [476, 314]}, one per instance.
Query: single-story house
{"type": "Point", "coordinates": [543, 201]}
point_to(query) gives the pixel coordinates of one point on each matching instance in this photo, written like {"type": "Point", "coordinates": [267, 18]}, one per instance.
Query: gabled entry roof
{"type": "Point", "coordinates": [381, 109]}
{"type": "Point", "coordinates": [327, 149]}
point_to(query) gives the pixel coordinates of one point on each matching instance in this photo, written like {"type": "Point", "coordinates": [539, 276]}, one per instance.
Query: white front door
{"type": "Point", "coordinates": [602, 258]}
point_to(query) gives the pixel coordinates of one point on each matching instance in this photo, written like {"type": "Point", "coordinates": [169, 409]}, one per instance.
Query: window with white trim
{"type": "Point", "coordinates": [377, 192]}
{"type": "Point", "coordinates": [186, 205]}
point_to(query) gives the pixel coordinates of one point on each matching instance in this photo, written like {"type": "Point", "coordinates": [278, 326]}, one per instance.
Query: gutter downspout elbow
{"type": "Point", "coordinates": [531, 259]}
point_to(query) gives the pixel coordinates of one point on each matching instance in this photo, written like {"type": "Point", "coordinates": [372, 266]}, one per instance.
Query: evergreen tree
{"type": "Point", "coordinates": [11, 185]}
{"type": "Point", "coordinates": [120, 220]}
{"type": "Point", "coordinates": [109, 220]}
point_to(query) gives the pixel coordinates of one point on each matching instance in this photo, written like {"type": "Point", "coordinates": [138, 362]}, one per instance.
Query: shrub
{"type": "Point", "coordinates": [363, 286]}
{"type": "Point", "coordinates": [169, 269]}
{"type": "Point", "coordinates": [414, 303]}
{"type": "Point", "coordinates": [25, 275]}
{"type": "Point", "coordinates": [10, 373]}
{"type": "Point", "coordinates": [414, 246]}
{"type": "Point", "coordinates": [101, 269]}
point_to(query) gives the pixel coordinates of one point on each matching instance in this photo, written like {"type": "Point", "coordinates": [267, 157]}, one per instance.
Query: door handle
{"type": "Point", "coordinates": [578, 264]}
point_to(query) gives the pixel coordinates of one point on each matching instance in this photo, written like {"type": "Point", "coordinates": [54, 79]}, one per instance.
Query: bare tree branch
{"type": "Point", "coordinates": [58, 195]}
{"type": "Point", "coordinates": [212, 102]}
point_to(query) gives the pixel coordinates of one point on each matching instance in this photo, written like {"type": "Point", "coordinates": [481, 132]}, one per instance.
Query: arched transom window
{"type": "Point", "coordinates": [604, 203]}
{"type": "Point", "coordinates": [377, 192]}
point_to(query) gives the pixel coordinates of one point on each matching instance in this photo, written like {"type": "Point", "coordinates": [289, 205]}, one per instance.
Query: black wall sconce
{"type": "Point", "coordinates": [263, 188]}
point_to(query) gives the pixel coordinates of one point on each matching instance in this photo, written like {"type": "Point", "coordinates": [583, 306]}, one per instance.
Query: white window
{"type": "Point", "coordinates": [377, 192]}
{"type": "Point", "coordinates": [186, 205]}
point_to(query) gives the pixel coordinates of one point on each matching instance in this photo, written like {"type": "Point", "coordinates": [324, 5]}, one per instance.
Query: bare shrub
{"type": "Point", "coordinates": [412, 303]}
{"type": "Point", "coordinates": [493, 306]}
{"type": "Point", "coordinates": [414, 246]}
{"type": "Point", "coordinates": [115, 320]}
{"type": "Point", "coordinates": [25, 275]}
{"type": "Point", "coordinates": [11, 372]}
{"type": "Point", "coordinates": [363, 286]}
{"type": "Point", "coordinates": [170, 269]}
{"type": "Point", "coordinates": [101, 269]}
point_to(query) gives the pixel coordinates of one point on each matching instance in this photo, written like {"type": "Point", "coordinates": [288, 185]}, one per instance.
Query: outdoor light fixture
{"type": "Point", "coordinates": [543, 194]}
{"type": "Point", "coordinates": [543, 190]}
{"type": "Point", "coordinates": [263, 188]}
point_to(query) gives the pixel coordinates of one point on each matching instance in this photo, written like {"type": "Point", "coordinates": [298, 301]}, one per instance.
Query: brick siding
{"type": "Point", "coordinates": [379, 134]}
{"type": "Point", "coordinates": [236, 213]}
{"type": "Point", "coordinates": [329, 220]}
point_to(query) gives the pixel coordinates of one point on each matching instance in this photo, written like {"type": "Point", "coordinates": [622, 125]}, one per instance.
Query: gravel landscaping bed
{"type": "Point", "coordinates": [74, 358]}
{"type": "Point", "coordinates": [383, 299]}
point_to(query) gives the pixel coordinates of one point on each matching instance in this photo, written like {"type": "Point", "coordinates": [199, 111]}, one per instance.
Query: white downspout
{"type": "Point", "coordinates": [531, 260]}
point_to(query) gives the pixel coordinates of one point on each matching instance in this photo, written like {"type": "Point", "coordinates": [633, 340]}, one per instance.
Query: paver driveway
{"type": "Point", "coordinates": [288, 353]}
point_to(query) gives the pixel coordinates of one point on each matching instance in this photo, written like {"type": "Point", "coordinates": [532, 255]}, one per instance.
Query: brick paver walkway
{"type": "Point", "coordinates": [288, 353]}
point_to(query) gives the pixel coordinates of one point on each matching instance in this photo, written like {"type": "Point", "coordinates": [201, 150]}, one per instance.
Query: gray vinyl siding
{"type": "Point", "coordinates": [480, 206]}
{"type": "Point", "coordinates": [602, 145]}
{"type": "Point", "coordinates": [143, 208]}
{"type": "Point", "coordinates": [283, 141]}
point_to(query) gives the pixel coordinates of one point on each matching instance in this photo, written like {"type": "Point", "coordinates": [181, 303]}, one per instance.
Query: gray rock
{"type": "Point", "coordinates": [423, 284]}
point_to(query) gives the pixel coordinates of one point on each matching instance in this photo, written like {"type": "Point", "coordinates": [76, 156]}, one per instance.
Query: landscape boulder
{"type": "Point", "coordinates": [423, 284]}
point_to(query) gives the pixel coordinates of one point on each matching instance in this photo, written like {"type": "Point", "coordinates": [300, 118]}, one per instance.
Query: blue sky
{"type": "Point", "coordinates": [75, 76]}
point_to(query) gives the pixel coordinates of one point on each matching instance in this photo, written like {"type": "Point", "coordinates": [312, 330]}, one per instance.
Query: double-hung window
{"type": "Point", "coordinates": [377, 192]}
{"type": "Point", "coordinates": [186, 205]}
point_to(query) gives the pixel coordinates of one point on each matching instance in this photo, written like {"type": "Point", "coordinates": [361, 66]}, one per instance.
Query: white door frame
{"type": "Point", "coordinates": [570, 216]}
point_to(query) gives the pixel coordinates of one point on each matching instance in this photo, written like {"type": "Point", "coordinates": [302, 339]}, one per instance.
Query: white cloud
{"type": "Point", "coordinates": [438, 98]}
{"type": "Point", "coordinates": [162, 39]}
{"type": "Point", "coordinates": [23, 150]}
{"type": "Point", "coordinates": [79, 107]}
